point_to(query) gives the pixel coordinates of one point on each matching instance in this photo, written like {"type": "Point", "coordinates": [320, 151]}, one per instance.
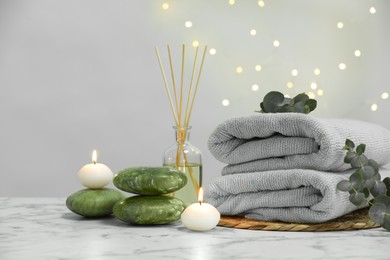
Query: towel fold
{"type": "Point", "coordinates": [293, 141]}
{"type": "Point", "coordinates": [295, 195]}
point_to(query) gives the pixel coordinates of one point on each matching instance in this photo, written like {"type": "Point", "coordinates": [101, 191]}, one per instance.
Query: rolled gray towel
{"type": "Point", "coordinates": [295, 195]}
{"type": "Point", "coordinates": [293, 141]}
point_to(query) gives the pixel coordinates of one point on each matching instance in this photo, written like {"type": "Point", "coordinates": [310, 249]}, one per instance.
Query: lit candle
{"type": "Point", "coordinates": [200, 216]}
{"type": "Point", "coordinates": [95, 175]}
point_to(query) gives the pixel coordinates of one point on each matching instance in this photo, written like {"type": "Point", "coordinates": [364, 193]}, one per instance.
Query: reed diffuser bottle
{"type": "Point", "coordinates": [183, 155]}
{"type": "Point", "coordinates": [188, 159]}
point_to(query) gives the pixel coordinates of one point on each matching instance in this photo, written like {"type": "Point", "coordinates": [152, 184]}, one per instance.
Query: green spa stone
{"type": "Point", "coordinates": [93, 203]}
{"type": "Point", "coordinates": [149, 210]}
{"type": "Point", "coordinates": [150, 180]}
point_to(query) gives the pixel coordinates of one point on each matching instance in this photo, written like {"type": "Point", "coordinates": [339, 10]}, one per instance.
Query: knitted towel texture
{"type": "Point", "coordinates": [295, 195]}
{"type": "Point", "coordinates": [293, 141]}
{"type": "Point", "coordinates": [286, 166]}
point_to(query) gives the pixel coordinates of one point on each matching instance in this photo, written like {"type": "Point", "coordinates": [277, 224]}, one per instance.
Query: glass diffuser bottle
{"type": "Point", "coordinates": [188, 159]}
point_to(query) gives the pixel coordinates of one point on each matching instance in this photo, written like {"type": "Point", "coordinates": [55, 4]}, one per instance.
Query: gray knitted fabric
{"type": "Point", "coordinates": [293, 141]}
{"type": "Point", "coordinates": [295, 195]}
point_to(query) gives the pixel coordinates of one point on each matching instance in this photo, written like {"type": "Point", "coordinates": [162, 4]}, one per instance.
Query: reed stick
{"type": "Point", "coordinates": [173, 80]}
{"type": "Point", "coordinates": [196, 87]}
{"type": "Point", "coordinates": [190, 90]}
{"type": "Point", "coordinates": [167, 88]}
{"type": "Point", "coordinates": [181, 82]}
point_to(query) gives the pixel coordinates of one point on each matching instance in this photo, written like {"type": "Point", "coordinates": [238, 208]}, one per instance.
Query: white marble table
{"type": "Point", "coordinates": [43, 228]}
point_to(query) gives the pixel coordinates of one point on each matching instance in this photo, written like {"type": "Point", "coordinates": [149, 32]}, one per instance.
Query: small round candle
{"type": "Point", "coordinates": [95, 175]}
{"type": "Point", "coordinates": [200, 216]}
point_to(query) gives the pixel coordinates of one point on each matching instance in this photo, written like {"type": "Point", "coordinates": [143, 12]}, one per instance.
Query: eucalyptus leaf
{"type": "Point", "coordinates": [349, 143]}
{"type": "Point", "coordinates": [356, 180]}
{"type": "Point", "coordinates": [377, 213]}
{"type": "Point", "coordinates": [367, 171]}
{"type": "Point", "coordinates": [349, 156]}
{"type": "Point", "coordinates": [378, 189]}
{"type": "Point", "coordinates": [301, 98]}
{"type": "Point", "coordinates": [360, 149]}
{"type": "Point", "coordinates": [311, 103]}
{"type": "Point", "coordinates": [344, 185]}
{"type": "Point", "coordinates": [272, 101]}
{"type": "Point", "coordinates": [358, 199]}
{"type": "Point", "coordinates": [373, 164]}
{"type": "Point", "coordinates": [369, 183]}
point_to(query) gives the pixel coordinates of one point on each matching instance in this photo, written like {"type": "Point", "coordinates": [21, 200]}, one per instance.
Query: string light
{"type": "Point", "coordinates": [320, 92]}
{"type": "Point", "coordinates": [212, 51]}
{"type": "Point", "coordinates": [225, 102]}
{"type": "Point", "coordinates": [188, 24]}
{"type": "Point", "coordinates": [290, 84]}
{"type": "Point", "coordinates": [239, 69]}
{"type": "Point", "coordinates": [294, 72]}
{"type": "Point", "coordinates": [385, 95]}
{"type": "Point", "coordinates": [374, 107]}
{"type": "Point", "coordinates": [357, 53]}
{"type": "Point", "coordinates": [195, 44]}
{"type": "Point", "coordinates": [313, 85]}
{"type": "Point", "coordinates": [253, 32]}
{"type": "Point", "coordinates": [165, 6]}
{"type": "Point", "coordinates": [317, 71]}
{"type": "Point", "coordinates": [340, 25]}
{"type": "Point", "coordinates": [261, 3]}
{"type": "Point", "coordinates": [342, 66]}
{"type": "Point", "coordinates": [372, 10]}
{"type": "Point", "coordinates": [255, 87]}
{"type": "Point", "coordinates": [258, 68]}
{"type": "Point", "coordinates": [232, 2]}
{"type": "Point", "coordinates": [276, 43]}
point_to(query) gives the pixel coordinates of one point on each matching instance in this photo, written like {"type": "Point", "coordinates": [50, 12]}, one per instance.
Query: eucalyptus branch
{"type": "Point", "coordinates": [276, 102]}
{"type": "Point", "coordinates": [365, 183]}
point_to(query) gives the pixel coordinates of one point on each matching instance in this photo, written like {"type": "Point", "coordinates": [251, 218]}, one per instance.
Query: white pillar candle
{"type": "Point", "coordinates": [200, 216]}
{"type": "Point", "coordinates": [95, 175]}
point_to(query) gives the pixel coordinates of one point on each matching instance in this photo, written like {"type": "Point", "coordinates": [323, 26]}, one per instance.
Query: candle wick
{"type": "Point", "coordinates": [94, 162]}
{"type": "Point", "coordinates": [200, 203]}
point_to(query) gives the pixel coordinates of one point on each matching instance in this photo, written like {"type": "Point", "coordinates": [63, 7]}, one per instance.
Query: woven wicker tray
{"type": "Point", "coordinates": [355, 220]}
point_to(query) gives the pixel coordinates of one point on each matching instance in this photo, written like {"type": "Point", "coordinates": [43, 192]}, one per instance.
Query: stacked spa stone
{"type": "Point", "coordinates": [153, 205]}
{"type": "Point", "coordinates": [93, 202]}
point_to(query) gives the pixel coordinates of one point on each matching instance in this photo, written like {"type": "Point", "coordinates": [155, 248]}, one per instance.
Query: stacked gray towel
{"type": "Point", "coordinates": [286, 166]}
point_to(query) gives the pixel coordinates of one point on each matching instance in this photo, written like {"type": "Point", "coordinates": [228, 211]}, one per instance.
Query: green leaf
{"type": "Point", "coordinates": [367, 171]}
{"type": "Point", "coordinates": [359, 161]}
{"type": "Point", "coordinates": [374, 165]}
{"type": "Point", "coordinates": [301, 98]}
{"type": "Point", "coordinates": [349, 144]}
{"type": "Point", "coordinates": [383, 199]}
{"type": "Point", "coordinates": [306, 109]}
{"type": "Point", "coordinates": [358, 199]}
{"type": "Point", "coordinates": [377, 176]}
{"type": "Point", "coordinates": [369, 183]}
{"type": "Point", "coordinates": [377, 213]}
{"type": "Point", "coordinates": [360, 149]}
{"type": "Point", "coordinates": [344, 185]}
{"type": "Point", "coordinates": [386, 223]}
{"type": "Point", "coordinates": [386, 181]}
{"type": "Point", "coordinates": [311, 103]}
{"type": "Point", "coordinates": [356, 180]}
{"type": "Point", "coordinates": [349, 156]}
{"type": "Point", "coordinates": [378, 189]}
{"type": "Point", "coordinates": [262, 107]}
{"type": "Point", "coordinates": [272, 101]}
{"type": "Point", "coordinates": [366, 193]}
{"type": "Point", "coordinates": [299, 107]}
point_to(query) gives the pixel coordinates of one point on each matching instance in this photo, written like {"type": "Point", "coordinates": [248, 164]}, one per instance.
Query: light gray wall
{"type": "Point", "coordinates": [82, 75]}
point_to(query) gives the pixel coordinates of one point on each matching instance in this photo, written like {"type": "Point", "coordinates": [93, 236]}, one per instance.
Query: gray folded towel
{"type": "Point", "coordinates": [293, 141]}
{"type": "Point", "coordinates": [295, 195]}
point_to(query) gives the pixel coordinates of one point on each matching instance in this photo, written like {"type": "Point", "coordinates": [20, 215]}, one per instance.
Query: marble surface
{"type": "Point", "coordinates": [43, 228]}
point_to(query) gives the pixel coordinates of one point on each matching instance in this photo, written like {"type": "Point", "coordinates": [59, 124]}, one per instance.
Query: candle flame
{"type": "Point", "coordinates": [200, 195]}
{"type": "Point", "coordinates": [94, 157]}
